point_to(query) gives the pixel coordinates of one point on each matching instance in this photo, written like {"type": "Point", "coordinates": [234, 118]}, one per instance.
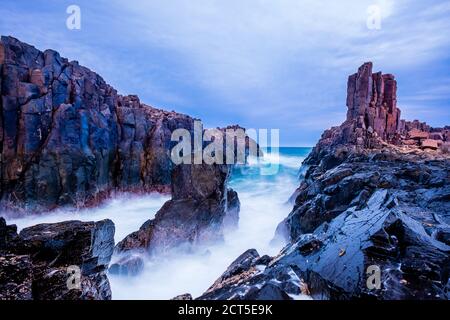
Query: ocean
{"type": "Point", "coordinates": [263, 206]}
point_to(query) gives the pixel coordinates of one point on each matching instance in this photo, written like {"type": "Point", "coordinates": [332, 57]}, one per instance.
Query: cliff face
{"type": "Point", "coordinates": [373, 118]}
{"type": "Point", "coordinates": [372, 102]}
{"type": "Point", "coordinates": [67, 137]}
{"type": "Point", "coordinates": [369, 201]}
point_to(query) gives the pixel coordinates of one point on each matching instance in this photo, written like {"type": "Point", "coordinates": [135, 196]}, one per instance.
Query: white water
{"type": "Point", "coordinates": [263, 206]}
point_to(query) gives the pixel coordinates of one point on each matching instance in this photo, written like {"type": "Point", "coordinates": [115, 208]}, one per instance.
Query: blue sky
{"type": "Point", "coordinates": [258, 63]}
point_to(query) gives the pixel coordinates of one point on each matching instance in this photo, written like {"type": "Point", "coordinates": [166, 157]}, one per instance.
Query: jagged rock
{"type": "Point", "coordinates": [372, 102]}
{"type": "Point", "coordinates": [36, 263]}
{"type": "Point", "coordinates": [251, 277]}
{"type": "Point", "coordinates": [15, 277]}
{"type": "Point", "coordinates": [429, 144]}
{"type": "Point", "coordinates": [418, 135]}
{"type": "Point", "coordinates": [8, 236]}
{"type": "Point", "coordinates": [130, 265]}
{"type": "Point", "coordinates": [197, 213]}
{"type": "Point", "coordinates": [366, 200]}
{"type": "Point", "coordinates": [183, 297]}
{"type": "Point", "coordinates": [69, 138]}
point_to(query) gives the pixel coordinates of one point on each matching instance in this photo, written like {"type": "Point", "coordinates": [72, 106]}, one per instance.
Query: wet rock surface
{"type": "Point", "coordinates": [131, 265]}
{"type": "Point", "coordinates": [371, 216]}
{"type": "Point", "coordinates": [197, 213]}
{"type": "Point", "coordinates": [38, 262]}
{"type": "Point", "coordinates": [67, 137]}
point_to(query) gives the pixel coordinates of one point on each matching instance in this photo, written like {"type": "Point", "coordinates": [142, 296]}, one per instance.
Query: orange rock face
{"type": "Point", "coordinates": [429, 144]}
{"type": "Point", "coordinates": [417, 134]}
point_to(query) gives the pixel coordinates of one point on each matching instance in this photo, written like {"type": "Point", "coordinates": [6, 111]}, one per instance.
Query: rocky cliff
{"type": "Point", "coordinates": [67, 137]}
{"type": "Point", "coordinates": [371, 205]}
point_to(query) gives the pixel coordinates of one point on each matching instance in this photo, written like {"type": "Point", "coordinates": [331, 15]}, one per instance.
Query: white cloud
{"type": "Point", "coordinates": [257, 62]}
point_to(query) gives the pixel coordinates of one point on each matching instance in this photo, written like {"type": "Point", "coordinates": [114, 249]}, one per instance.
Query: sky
{"type": "Point", "coordinates": [263, 64]}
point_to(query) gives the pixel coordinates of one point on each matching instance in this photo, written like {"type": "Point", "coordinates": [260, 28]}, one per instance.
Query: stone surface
{"type": "Point", "coordinates": [418, 135]}
{"type": "Point", "coordinates": [183, 297]}
{"type": "Point", "coordinates": [369, 197]}
{"type": "Point", "coordinates": [429, 144]}
{"type": "Point", "coordinates": [34, 264]}
{"type": "Point", "coordinates": [197, 213]}
{"type": "Point", "coordinates": [69, 138]}
{"type": "Point", "coordinates": [15, 277]}
{"type": "Point", "coordinates": [130, 265]}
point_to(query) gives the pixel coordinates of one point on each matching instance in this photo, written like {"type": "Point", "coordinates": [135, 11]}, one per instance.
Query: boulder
{"type": "Point", "coordinates": [41, 261]}
{"type": "Point", "coordinates": [200, 209]}
{"type": "Point", "coordinates": [429, 144]}
{"type": "Point", "coordinates": [417, 134]}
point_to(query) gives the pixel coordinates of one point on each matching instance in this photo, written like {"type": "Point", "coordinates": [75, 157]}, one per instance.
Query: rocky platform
{"type": "Point", "coordinates": [38, 263]}
{"type": "Point", "coordinates": [371, 217]}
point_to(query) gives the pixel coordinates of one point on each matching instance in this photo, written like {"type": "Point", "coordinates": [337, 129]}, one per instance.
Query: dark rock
{"type": "Point", "coordinates": [37, 264]}
{"type": "Point", "coordinates": [183, 297]}
{"type": "Point", "coordinates": [89, 245]}
{"type": "Point", "coordinates": [268, 292]}
{"type": "Point", "coordinates": [8, 236]}
{"type": "Point", "coordinates": [244, 262]}
{"type": "Point", "coordinates": [130, 265]}
{"type": "Point", "coordinates": [197, 213]}
{"type": "Point", "coordinates": [443, 236]}
{"type": "Point", "coordinates": [367, 201]}
{"type": "Point", "coordinates": [15, 277]}
{"type": "Point", "coordinates": [69, 138]}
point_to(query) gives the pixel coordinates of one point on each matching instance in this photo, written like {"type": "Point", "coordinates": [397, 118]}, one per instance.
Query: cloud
{"type": "Point", "coordinates": [261, 63]}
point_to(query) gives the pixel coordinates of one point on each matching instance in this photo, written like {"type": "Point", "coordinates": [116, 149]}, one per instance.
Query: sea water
{"type": "Point", "coordinates": [264, 204]}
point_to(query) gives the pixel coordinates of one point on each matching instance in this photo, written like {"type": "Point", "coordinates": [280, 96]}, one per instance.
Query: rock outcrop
{"type": "Point", "coordinates": [373, 116]}
{"type": "Point", "coordinates": [42, 262]}
{"type": "Point", "coordinates": [67, 137]}
{"type": "Point", "coordinates": [371, 216]}
{"type": "Point", "coordinates": [200, 209]}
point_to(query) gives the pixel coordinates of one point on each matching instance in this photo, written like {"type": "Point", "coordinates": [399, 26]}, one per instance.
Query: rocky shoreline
{"type": "Point", "coordinates": [38, 262]}
{"type": "Point", "coordinates": [67, 138]}
{"type": "Point", "coordinates": [374, 196]}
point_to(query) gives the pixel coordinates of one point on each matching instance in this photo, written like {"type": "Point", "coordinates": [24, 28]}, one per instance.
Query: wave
{"type": "Point", "coordinates": [263, 206]}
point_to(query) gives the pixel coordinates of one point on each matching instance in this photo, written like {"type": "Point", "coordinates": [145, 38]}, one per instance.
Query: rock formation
{"type": "Point", "coordinates": [67, 137]}
{"type": "Point", "coordinates": [373, 116]}
{"type": "Point", "coordinates": [35, 264]}
{"type": "Point", "coordinates": [200, 209]}
{"type": "Point", "coordinates": [370, 201]}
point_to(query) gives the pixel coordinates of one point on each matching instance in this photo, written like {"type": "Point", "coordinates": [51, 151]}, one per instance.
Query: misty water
{"type": "Point", "coordinates": [263, 205]}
